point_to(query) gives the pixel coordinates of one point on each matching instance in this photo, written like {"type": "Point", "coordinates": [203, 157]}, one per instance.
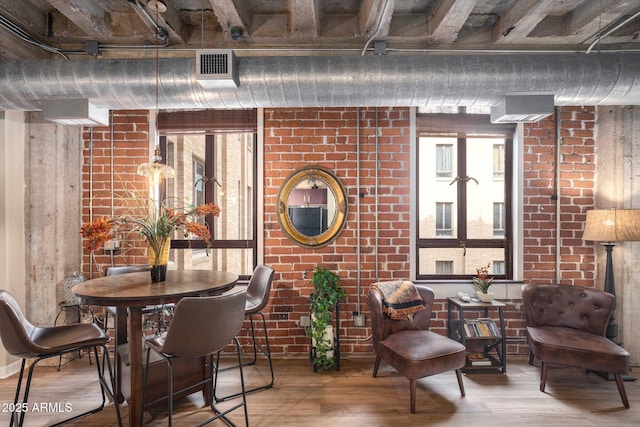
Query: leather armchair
{"type": "Point", "coordinates": [566, 325]}
{"type": "Point", "coordinates": [410, 347]}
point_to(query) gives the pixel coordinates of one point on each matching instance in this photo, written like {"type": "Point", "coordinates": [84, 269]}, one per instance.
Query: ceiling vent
{"type": "Point", "coordinates": [216, 69]}
{"type": "Point", "coordinates": [524, 108]}
{"type": "Point", "coordinates": [74, 112]}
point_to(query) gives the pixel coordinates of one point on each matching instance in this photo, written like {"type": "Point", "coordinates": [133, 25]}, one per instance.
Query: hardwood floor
{"type": "Point", "coordinates": [351, 396]}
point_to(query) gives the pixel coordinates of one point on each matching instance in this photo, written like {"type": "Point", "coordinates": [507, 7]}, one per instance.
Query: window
{"type": "Point", "coordinates": [198, 183]}
{"type": "Point", "coordinates": [214, 166]}
{"type": "Point", "coordinates": [465, 219]}
{"type": "Point", "coordinates": [498, 219]}
{"type": "Point", "coordinates": [443, 160]}
{"type": "Point", "coordinates": [443, 219]}
{"type": "Point", "coordinates": [444, 267]}
{"type": "Point", "coordinates": [498, 161]}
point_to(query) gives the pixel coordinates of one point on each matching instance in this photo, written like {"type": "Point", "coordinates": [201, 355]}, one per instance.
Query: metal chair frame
{"type": "Point", "coordinates": [250, 312]}
{"type": "Point", "coordinates": [24, 340]}
{"type": "Point", "coordinates": [214, 367]}
{"type": "Point", "coordinates": [192, 314]}
{"type": "Point", "coordinates": [103, 386]}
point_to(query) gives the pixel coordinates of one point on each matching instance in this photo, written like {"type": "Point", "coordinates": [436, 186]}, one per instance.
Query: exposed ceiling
{"type": "Point", "coordinates": [270, 27]}
{"type": "Point", "coordinates": [130, 54]}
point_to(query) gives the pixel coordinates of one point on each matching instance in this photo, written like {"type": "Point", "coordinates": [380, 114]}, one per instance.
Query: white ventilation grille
{"type": "Point", "coordinates": [523, 108]}
{"type": "Point", "coordinates": [216, 69]}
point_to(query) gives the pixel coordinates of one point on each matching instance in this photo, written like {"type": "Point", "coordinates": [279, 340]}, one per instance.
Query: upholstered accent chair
{"type": "Point", "coordinates": [410, 347]}
{"type": "Point", "coordinates": [566, 326]}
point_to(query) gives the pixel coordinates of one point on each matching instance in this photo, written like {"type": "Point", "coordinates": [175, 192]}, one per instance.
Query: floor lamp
{"type": "Point", "coordinates": [609, 226]}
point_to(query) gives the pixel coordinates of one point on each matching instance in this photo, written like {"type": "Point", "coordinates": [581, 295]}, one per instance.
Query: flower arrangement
{"type": "Point", "coordinates": [483, 281]}
{"type": "Point", "coordinates": [156, 225]}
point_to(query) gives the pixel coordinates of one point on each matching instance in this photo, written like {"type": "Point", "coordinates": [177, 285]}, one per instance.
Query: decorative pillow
{"type": "Point", "coordinates": [400, 299]}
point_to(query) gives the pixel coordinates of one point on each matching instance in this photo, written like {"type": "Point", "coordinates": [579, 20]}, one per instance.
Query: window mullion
{"type": "Point", "coordinates": [462, 190]}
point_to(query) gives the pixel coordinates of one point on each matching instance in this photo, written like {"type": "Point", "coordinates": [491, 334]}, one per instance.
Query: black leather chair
{"type": "Point", "coordinates": [410, 347]}
{"type": "Point", "coordinates": [201, 326]}
{"type": "Point", "coordinates": [22, 339]}
{"type": "Point", "coordinates": [258, 292]}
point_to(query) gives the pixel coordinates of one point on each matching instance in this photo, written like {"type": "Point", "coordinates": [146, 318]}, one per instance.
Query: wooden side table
{"type": "Point", "coordinates": [494, 345]}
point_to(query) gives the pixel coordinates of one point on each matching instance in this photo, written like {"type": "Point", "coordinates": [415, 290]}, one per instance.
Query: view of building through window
{"type": "Point", "coordinates": [462, 210]}
{"type": "Point", "coordinates": [216, 168]}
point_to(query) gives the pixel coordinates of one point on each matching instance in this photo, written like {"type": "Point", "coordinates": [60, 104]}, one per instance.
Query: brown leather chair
{"type": "Point", "coordinates": [201, 326]}
{"type": "Point", "coordinates": [410, 347]}
{"type": "Point", "coordinates": [258, 292]}
{"type": "Point", "coordinates": [22, 339]}
{"type": "Point", "coordinates": [566, 325]}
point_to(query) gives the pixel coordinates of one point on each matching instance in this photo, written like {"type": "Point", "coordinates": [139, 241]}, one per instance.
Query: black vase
{"type": "Point", "coordinates": [159, 273]}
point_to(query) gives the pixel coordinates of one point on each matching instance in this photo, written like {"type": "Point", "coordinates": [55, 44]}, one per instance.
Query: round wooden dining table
{"type": "Point", "coordinates": [133, 292]}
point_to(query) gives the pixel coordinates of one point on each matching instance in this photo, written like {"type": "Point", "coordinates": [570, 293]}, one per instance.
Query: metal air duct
{"type": "Point", "coordinates": [328, 81]}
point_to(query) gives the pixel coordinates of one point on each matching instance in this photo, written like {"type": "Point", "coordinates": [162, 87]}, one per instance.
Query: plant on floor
{"type": "Point", "coordinates": [326, 294]}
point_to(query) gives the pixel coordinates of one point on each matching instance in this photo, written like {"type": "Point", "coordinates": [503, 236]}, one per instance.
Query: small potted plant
{"type": "Point", "coordinates": [326, 294]}
{"type": "Point", "coordinates": [483, 282]}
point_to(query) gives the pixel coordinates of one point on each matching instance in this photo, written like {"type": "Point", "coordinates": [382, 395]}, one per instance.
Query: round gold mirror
{"type": "Point", "coordinates": [312, 206]}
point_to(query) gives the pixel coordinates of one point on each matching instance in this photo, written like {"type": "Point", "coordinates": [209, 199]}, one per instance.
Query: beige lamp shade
{"type": "Point", "coordinates": [612, 225]}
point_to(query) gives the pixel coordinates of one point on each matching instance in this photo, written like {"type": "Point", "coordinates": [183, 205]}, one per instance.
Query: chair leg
{"type": "Point", "coordinates": [376, 365]}
{"type": "Point", "coordinates": [623, 392]}
{"type": "Point", "coordinates": [145, 375]}
{"type": "Point", "coordinates": [412, 395]}
{"type": "Point", "coordinates": [14, 415]}
{"type": "Point", "coordinates": [256, 346]}
{"type": "Point", "coordinates": [223, 414]}
{"type": "Point", "coordinates": [531, 357]}
{"type": "Point", "coordinates": [101, 381]}
{"type": "Point", "coordinates": [460, 383]}
{"type": "Point", "coordinates": [109, 388]}
{"type": "Point", "coordinates": [543, 376]}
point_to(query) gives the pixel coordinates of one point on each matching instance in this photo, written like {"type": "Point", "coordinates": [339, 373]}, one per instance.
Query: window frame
{"type": "Point", "coordinates": [464, 125]}
{"type": "Point", "coordinates": [210, 123]}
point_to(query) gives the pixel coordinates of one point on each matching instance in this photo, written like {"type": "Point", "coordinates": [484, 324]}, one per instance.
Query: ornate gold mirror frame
{"type": "Point", "coordinates": [335, 205]}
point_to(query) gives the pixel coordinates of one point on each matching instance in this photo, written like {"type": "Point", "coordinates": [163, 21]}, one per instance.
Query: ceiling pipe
{"type": "Point", "coordinates": [608, 32]}
{"type": "Point", "coordinates": [328, 81]}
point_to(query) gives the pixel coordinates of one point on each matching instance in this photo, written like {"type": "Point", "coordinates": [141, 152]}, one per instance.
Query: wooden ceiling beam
{"type": "Point", "coordinates": [518, 21]}
{"type": "Point", "coordinates": [371, 17]}
{"type": "Point", "coordinates": [231, 14]}
{"type": "Point", "coordinates": [304, 16]}
{"type": "Point", "coordinates": [448, 18]}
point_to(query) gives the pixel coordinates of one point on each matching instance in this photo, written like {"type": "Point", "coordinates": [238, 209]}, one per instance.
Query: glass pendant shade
{"type": "Point", "coordinates": [156, 170]}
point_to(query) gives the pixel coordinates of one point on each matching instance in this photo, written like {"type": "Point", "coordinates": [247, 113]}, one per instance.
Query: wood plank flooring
{"type": "Point", "coordinates": [351, 396]}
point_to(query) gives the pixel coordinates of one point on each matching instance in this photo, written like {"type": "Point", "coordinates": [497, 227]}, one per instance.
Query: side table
{"type": "Point", "coordinates": [494, 344]}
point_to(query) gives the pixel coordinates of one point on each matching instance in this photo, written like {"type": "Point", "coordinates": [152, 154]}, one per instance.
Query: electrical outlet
{"type": "Point", "coordinates": [305, 321]}
{"type": "Point", "coordinates": [358, 320]}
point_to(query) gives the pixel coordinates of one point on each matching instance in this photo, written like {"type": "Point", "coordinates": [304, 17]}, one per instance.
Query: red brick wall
{"type": "Point", "coordinates": [327, 137]}
{"type": "Point", "coordinates": [130, 148]}
{"type": "Point", "coordinates": [576, 196]}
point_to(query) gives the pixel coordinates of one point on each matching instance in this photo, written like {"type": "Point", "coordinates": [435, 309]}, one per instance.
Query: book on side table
{"type": "Point", "coordinates": [478, 359]}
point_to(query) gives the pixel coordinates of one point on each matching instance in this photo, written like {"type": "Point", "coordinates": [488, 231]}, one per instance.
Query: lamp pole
{"type": "Point", "coordinates": [610, 286]}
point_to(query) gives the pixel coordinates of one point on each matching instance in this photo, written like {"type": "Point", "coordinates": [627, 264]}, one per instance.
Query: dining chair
{"type": "Point", "coordinates": [258, 292]}
{"type": "Point", "coordinates": [201, 326]}
{"type": "Point", "coordinates": [22, 339]}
